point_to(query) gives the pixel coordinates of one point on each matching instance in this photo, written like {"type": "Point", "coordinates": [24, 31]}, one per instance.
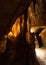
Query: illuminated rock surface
{"type": "Point", "coordinates": [41, 52]}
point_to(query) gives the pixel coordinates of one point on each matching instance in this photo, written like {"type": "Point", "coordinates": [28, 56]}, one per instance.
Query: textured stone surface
{"type": "Point", "coordinates": [9, 11]}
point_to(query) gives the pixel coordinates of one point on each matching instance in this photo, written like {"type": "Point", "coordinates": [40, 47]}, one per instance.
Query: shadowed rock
{"type": "Point", "coordinates": [9, 11]}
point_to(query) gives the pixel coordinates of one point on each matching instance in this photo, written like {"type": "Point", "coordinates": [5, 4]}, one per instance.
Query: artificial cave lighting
{"type": "Point", "coordinates": [33, 29]}
{"type": "Point", "coordinates": [41, 54]}
{"type": "Point", "coordinates": [15, 29]}
{"type": "Point", "coordinates": [10, 34]}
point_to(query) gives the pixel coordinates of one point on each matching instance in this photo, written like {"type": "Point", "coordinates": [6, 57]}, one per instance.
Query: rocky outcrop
{"type": "Point", "coordinates": [9, 11]}
{"type": "Point", "coordinates": [39, 17]}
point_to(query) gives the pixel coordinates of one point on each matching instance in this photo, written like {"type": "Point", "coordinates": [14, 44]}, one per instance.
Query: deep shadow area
{"type": "Point", "coordinates": [17, 52]}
